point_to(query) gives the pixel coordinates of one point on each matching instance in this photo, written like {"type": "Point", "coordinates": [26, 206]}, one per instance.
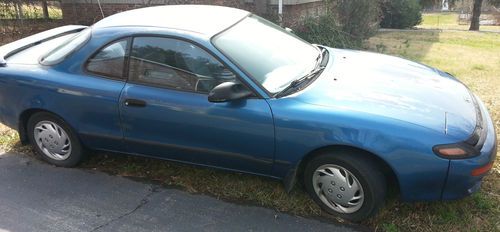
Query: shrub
{"type": "Point", "coordinates": [359, 18]}
{"type": "Point", "coordinates": [345, 24]}
{"type": "Point", "coordinates": [323, 30]}
{"type": "Point", "coordinates": [400, 13]}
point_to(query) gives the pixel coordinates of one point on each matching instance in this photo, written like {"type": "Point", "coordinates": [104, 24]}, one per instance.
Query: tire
{"type": "Point", "coordinates": [356, 184]}
{"type": "Point", "coordinates": [54, 140]}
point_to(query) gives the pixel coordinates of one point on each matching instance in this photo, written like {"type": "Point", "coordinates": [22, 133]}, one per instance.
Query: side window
{"type": "Point", "coordinates": [175, 64]}
{"type": "Point", "coordinates": [110, 60]}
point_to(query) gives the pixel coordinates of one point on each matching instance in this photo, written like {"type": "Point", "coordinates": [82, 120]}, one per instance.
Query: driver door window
{"type": "Point", "coordinates": [175, 64]}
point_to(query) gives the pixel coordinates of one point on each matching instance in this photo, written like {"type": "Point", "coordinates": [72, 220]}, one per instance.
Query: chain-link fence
{"type": "Point", "coordinates": [87, 12]}
{"type": "Point", "coordinates": [19, 18]}
{"type": "Point", "coordinates": [30, 9]}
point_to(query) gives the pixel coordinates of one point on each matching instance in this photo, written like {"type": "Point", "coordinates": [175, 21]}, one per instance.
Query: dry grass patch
{"type": "Point", "coordinates": [8, 138]}
{"type": "Point", "coordinates": [473, 57]}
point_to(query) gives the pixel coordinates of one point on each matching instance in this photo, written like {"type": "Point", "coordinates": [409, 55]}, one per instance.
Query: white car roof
{"type": "Point", "coordinates": [203, 19]}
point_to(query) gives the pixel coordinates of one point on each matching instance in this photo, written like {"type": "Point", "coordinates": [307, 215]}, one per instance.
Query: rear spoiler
{"type": "Point", "coordinates": [12, 48]}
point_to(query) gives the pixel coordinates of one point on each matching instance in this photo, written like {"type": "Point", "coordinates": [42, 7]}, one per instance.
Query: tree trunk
{"type": "Point", "coordinates": [16, 11]}
{"type": "Point", "coordinates": [476, 12]}
{"type": "Point", "coordinates": [19, 10]}
{"type": "Point", "coordinates": [45, 9]}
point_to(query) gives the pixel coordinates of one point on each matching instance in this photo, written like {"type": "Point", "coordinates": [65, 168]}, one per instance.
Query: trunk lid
{"type": "Point", "coordinates": [29, 49]}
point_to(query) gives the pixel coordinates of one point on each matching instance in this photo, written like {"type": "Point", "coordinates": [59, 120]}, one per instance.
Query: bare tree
{"type": "Point", "coordinates": [476, 12]}
{"type": "Point", "coordinates": [45, 9]}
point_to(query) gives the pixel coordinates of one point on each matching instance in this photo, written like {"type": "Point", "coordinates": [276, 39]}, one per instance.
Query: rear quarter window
{"type": "Point", "coordinates": [66, 48]}
{"type": "Point", "coordinates": [110, 60]}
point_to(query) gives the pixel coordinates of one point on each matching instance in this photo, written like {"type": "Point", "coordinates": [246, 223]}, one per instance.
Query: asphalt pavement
{"type": "Point", "coordinates": [35, 196]}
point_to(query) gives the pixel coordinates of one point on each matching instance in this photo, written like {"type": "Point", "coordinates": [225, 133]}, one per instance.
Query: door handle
{"type": "Point", "coordinates": [135, 103]}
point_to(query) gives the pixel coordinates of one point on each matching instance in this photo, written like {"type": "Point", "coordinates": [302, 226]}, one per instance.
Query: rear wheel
{"type": "Point", "coordinates": [54, 140]}
{"type": "Point", "coordinates": [345, 184]}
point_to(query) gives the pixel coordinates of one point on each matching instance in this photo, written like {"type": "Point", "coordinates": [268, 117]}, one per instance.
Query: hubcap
{"type": "Point", "coordinates": [52, 140]}
{"type": "Point", "coordinates": [338, 188]}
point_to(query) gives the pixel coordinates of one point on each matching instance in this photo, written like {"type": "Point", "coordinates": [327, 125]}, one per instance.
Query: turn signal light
{"type": "Point", "coordinates": [482, 170]}
{"type": "Point", "coordinates": [451, 151]}
{"type": "Point", "coordinates": [455, 151]}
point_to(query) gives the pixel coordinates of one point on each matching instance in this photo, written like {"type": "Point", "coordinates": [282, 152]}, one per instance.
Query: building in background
{"type": "Point", "coordinates": [88, 11]}
{"type": "Point", "coordinates": [445, 6]}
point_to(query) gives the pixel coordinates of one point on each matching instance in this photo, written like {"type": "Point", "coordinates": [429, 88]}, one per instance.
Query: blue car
{"type": "Point", "coordinates": [224, 88]}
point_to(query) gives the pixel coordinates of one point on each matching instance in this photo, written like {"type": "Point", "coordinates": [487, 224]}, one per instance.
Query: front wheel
{"type": "Point", "coordinates": [345, 184]}
{"type": "Point", "coordinates": [54, 140]}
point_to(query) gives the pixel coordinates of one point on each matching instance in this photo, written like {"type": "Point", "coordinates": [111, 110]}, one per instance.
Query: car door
{"type": "Point", "coordinates": [165, 109]}
{"type": "Point", "coordinates": [95, 98]}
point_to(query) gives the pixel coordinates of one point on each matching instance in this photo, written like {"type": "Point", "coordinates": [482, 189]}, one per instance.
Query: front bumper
{"type": "Point", "coordinates": [460, 181]}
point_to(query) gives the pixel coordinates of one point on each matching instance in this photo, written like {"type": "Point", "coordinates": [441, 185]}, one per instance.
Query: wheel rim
{"type": "Point", "coordinates": [338, 188]}
{"type": "Point", "coordinates": [52, 140]}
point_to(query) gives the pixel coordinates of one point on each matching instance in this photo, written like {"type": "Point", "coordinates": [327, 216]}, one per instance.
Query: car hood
{"type": "Point", "coordinates": [393, 87]}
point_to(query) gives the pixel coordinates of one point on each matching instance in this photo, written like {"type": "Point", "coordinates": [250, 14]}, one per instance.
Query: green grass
{"type": "Point", "coordinates": [449, 21]}
{"type": "Point", "coordinates": [436, 19]}
{"type": "Point", "coordinates": [472, 56]}
{"type": "Point", "coordinates": [389, 227]}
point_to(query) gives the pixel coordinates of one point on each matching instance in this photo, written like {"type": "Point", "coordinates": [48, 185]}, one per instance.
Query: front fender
{"type": "Point", "coordinates": [406, 148]}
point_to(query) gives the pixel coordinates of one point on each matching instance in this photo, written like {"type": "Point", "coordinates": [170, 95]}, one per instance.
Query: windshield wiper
{"type": "Point", "coordinates": [317, 68]}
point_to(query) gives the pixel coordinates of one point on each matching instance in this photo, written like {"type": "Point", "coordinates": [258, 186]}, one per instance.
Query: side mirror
{"type": "Point", "coordinates": [289, 30]}
{"type": "Point", "coordinates": [228, 91]}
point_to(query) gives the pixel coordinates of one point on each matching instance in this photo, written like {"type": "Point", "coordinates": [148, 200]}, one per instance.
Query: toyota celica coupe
{"type": "Point", "coordinates": [224, 88]}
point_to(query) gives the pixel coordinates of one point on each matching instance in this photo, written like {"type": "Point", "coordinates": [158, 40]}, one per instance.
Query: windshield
{"type": "Point", "coordinates": [67, 47]}
{"type": "Point", "coordinates": [268, 53]}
